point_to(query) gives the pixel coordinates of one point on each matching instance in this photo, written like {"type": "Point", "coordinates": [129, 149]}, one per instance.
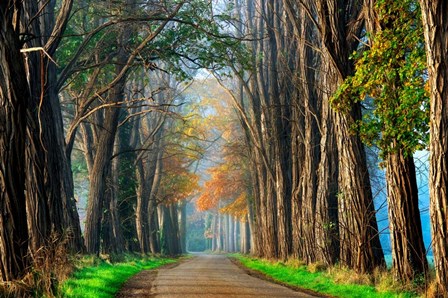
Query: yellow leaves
{"type": "Point", "coordinates": [227, 135]}
{"type": "Point", "coordinates": [237, 208]}
{"type": "Point", "coordinates": [227, 179]}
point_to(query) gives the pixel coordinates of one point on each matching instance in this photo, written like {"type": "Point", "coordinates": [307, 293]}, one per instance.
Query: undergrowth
{"type": "Point", "coordinates": [49, 265]}
{"type": "Point", "coordinates": [57, 273]}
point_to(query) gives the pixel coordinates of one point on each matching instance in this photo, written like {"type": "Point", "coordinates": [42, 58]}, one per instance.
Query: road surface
{"type": "Point", "coordinates": [203, 276]}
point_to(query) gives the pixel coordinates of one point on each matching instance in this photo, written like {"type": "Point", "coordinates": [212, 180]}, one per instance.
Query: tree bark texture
{"type": "Point", "coordinates": [360, 247]}
{"type": "Point", "coordinates": [311, 140]}
{"type": "Point", "coordinates": [100, 171]}
{"type": "Point", "coordinates": [170, 245]}
{"type": "Point", "coordinates": [104, 147]}
{"type": "Point", "coordinates": [281, 130]}
{"type": "Point", "coordinates": [14, 96]}
{"type": "Point", "coordinates": [145, 175]}
{"type": "Point", "coordinates": [327, 219]}
{"type": "Point", "coordinates": [98, 179]}
{"type": "Point", "coordinates": [112, 234]}
{"type": "Point", "coordinates": [408, 251]}
{"type": "Point", "coordinates": [183, 226]}
{"type": "Point", "coordinates": [154, 228]}
{"type": "Point", "coordinates": [435, 21]}
{"type": "Point", "coordinates": [49, 181]}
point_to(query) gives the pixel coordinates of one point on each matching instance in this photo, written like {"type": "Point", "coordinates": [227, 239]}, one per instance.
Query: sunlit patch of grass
{"type": "Point", "coordinates": [316, 267]}
{"type": "Point", "coordinates": [295, 263]}
{"type": "Point", "coordinates": [343, 275]}
{"type": "Point", "coordinates": [319, 280]}
{"type": "Point", "coordinates": [104, 279]}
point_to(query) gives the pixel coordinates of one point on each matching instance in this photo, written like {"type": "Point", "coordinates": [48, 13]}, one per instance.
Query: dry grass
{"type": "Point", "coordinates": [433, 291]}
{"type": "Point", "coordinates": [317, 267]}
{"type": "Point", "coordinates": [295, 263]}
{"type": "Point", "coordinates": [343, 275]}
{"type": "Point", "coordinates": [50, 264]}
{"type": "Point", "coordinates": [384, 281]}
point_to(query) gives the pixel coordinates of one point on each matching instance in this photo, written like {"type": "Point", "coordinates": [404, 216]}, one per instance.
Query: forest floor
{"type": "Point", "coordinates": [203, 276]}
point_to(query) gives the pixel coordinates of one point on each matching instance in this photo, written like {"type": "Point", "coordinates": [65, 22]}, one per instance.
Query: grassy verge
{"type": "Point", "coordinates": [101, 279]}
{"type": "Point", "coordinates": [320, 281]}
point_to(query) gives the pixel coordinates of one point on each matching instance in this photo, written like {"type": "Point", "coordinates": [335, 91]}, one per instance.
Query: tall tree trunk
{"type": "Point", "coordinates": [183, 226]}
{"type": "Point", "coordinates": [127, 182]}
{"type": "Point", "coordinates": [98, 179]}
{"type": "Point", "coordinates": [49, 183]}
{"type": "Point", "coordinates": [298, 152]}
{"type": "Point", "coordinates": [101, 172]}
{"type": "Point", "coordinates": [230, 235]}
{"type": "Point", "coordinates": [219, 232]}
{"type": "Point", "coordinates": [245, 237]}
{"type": "Point", "coordinates": [236, 234]}
{"type": "Point", "coordinates": [169, 238]}
{"type": "Point", "coordinates": [43, 194]}
{"type": "Point", "coordinates": [113, 241]}
{"type": "Point", "coordinates": [148, 179]}
{"type": "Point", "coordinates": [14, 97]}
{"type": "Point", "coordinates": [327, 220]}
{"type": "Point", "coordinates": [360, 244]}
{"type": "Point", "coordinates": [281, 131]}
{"type": "Point", "coordinates": [311, 140]}
{"type": "Point", "coordinates": [174, 215]}
{"type": "Point", "coordinates": [360, 247]}
{"type": "Point", "coordinates": [166, 246]}
{"type": "Point", "coordinates": [435, 20]}
{"type": "Point", "coordinates": [145, 174]}
{"type": "Point", "coordinates": [408, 250]}
{"type": "Point", "coordinates": [154, 240]}
{"type": "Point", "coordinates": [214, 234]}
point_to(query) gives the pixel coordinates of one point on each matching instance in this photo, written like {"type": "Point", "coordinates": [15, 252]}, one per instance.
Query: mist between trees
{"type": "Point", "coordinates": [274, 116]}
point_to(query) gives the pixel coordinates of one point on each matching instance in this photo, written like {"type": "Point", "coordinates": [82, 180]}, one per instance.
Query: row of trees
{"type": "Point", "coordinates": [104, 79]}
{"type": "Point", "coordinates": [305, 102]}
{"type": "Point", "coordinates": [326, 79]}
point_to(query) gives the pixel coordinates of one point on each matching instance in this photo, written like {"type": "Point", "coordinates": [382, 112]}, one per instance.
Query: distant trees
{"type": "Point", "coordinates": [121, 114]}
{"type": "Point", "coordinates": [226, 194]}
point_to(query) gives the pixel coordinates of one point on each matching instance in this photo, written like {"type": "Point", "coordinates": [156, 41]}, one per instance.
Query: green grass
{"type": "Point", "coordinates": [105, 279]}
{"type": "Point", "coordinates": [319, 282]}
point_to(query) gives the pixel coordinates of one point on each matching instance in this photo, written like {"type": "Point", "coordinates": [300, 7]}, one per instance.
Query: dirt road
{"type": "Point", "coordinates": [203, 276]}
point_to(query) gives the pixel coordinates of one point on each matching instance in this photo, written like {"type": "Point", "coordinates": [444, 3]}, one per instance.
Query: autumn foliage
{"type": "Point", "coordinates": [225, 185]}
{"type": "Point", "coordinates": [178, 182]}
{"type": "Point", "coordinates": [226, 189]}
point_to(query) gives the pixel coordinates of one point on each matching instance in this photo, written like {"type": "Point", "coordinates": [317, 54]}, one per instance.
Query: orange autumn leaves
{"type": "Point", "coordinates": [225, 190]}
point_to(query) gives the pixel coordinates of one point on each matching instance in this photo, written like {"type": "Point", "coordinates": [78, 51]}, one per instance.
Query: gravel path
{"type": "Point", "coordinates": [203, 276]}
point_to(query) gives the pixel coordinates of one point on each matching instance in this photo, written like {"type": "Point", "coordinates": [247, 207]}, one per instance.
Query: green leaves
{"type": "Point", "coordinates": [197, 39]}
{"type": "Point", "coordinates": [390, 75]}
